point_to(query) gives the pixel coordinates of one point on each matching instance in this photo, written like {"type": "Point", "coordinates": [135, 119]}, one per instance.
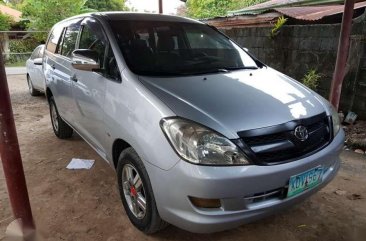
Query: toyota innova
{"type": "Point", "coordinates": [202, 134]}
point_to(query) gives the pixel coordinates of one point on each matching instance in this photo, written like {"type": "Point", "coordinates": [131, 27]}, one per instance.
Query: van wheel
{"type": "Point", "coordinates": [136, 193]}
{"type": "Point", "coordinates": [32, 91]}
{"type": "Point", "coordinates": [61, 129]}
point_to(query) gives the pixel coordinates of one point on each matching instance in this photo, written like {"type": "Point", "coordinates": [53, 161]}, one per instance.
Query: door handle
{"type": "Point", "coordinates": [74, 78]}
{"type": "Point", "coordinates": [53, 66]}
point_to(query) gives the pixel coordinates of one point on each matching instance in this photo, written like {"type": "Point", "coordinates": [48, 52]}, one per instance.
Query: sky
{"type": "Point", "coordinates": [169, 6]}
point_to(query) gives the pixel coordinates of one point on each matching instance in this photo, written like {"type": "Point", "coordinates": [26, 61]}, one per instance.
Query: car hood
{"type": "Point", "coordinates": [236, 101]}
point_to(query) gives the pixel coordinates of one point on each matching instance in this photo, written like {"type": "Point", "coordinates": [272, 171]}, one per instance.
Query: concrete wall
{"type": "Point", "coordinates": [300, 48]}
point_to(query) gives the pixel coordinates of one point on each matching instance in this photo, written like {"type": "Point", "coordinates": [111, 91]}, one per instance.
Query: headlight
{"type": "Point", "coordinates": [199, 145]}
{"type": "Point", "coordinates": [336, 121]}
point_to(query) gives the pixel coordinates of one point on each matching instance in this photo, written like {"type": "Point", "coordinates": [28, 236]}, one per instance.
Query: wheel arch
{"type": "Point", "coordinates": [119, 145]}
{"type": "Point", "coordinates": [48, 94]}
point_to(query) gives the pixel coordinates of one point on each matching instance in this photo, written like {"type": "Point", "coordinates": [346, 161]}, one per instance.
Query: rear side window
{"type": "Point", "coordinates": [35, 53]}
{"type": "Point", "coordinates": [54, 39]}
{"type": "Point", "coordinates": [41, 52]}
{"type": "Point", "coordinates": [63, 38]}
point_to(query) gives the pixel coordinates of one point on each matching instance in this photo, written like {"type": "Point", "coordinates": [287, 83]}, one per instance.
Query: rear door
{"type": "Point", "coordinates": [60, 65]}
{"type": "Point", "coordinates": [89, 88]}
{"type": "Point", "coordinates": [52, 75]}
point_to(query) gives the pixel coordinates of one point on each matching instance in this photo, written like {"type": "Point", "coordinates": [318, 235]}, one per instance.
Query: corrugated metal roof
{"type": "Point", "coordinates": [310, 13]}
{"type": "Point", "coordinates": [270, 5]}
{"type": "Point", "coordinates": [316, 12]}
{"type": "Point", "coordinates": [245, 20]}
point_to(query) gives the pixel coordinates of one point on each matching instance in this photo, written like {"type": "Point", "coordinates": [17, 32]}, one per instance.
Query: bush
{"type": "Point", "coordinates": [5, 22]}
{"type": "Point", "coordinates": [213, 8]}
{"type": "Point", "coordinates": [24, 47]}
{"type": "Point", "coordinates": [312, 79]}
{"type": "Point", "coordinates": [277, 26]}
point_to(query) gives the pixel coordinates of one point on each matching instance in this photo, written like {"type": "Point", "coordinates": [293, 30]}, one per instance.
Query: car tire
{"type": "Point", "coordinates": [32, 91]}
{"type": "Point", "coordinates": [148, 220]}
{"type": "Point", "coordinates": [61, 129]}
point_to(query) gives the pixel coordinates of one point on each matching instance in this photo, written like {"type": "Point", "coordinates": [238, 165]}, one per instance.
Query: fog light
{"type": "Point", "coordinates": [205, 203]}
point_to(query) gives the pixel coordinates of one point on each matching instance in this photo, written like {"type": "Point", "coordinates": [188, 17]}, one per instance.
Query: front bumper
{"type": "Point", "coordinates": [232, 185]}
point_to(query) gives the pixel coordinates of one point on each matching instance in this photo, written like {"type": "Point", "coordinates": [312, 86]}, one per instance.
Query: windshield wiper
{"type": "Point", "coordinates": [188, 73]}
{"type": "Point", "coordinates": [218, 70]}
{"type": "Point", "coordinates": [243, 67]}
{"type": "Point", "coordinates": [210, 71]}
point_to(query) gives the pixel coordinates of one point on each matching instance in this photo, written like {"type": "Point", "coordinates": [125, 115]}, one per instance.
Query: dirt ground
{"type": "Point", "coordinates": [85, 205]}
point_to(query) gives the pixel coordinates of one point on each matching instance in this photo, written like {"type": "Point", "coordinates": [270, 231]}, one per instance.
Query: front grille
{"type": "Point", "coordinates": [259, 140]}
{"type": "Point", "coordinates": [278, 144]}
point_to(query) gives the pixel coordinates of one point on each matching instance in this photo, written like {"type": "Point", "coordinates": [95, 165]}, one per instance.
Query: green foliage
{"type": "Point", "coordinates": [208, 8]}
{"type": "Point", "coordinates": [278, 25]}
{"type": "Point", "coordinates": [312, 79]}
{"type": "Point", "coordinates": [213, 8]}
{"type": "Point", "coordinates": [44, 14]}
{"type": "Point", "coordinates": [5, 22]}
{"type": "Point", "coordinates": [246, 3]}
{"type": "Point", "coordinates": [106, 5]}
{"type": "Point", "coordinates": [24, 46]}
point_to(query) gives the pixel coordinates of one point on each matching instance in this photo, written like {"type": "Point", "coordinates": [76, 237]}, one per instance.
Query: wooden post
{"type": "Point", "coordinates": [11, 159]}
{"type": "Point", "coordinates": [343, 50]}
{"type": "Point", "coordinates": [160, 6]}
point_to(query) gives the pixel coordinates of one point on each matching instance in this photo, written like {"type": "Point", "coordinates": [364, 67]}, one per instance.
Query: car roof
{"type": "Point", "coordinates": [136, 16]}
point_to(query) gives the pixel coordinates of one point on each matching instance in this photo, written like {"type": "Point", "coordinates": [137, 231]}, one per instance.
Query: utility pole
{"type": "Point", "coordinates": [160, 6]}
{"type": "Point", "coordinates": [10, 157]}
{"type": "Point", "coordinates": [342, 55]}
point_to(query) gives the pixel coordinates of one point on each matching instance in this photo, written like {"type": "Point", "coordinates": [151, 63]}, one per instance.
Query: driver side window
{"type": "Point", "coordinates": [89, 40]}
{"type": "Point", "coordinates": [92, 38]}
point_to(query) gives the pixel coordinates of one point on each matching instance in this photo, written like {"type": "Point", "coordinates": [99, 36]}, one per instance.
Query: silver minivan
{"type": "Point", "coordinates": [202, 134]}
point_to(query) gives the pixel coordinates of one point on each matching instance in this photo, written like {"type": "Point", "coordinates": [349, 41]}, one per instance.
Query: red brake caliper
{"type": "Point", "coordinates": [133, 191]}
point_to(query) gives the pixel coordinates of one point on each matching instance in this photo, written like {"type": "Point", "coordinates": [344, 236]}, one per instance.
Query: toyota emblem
{"type": "Point", "coordinates": [301, 133]}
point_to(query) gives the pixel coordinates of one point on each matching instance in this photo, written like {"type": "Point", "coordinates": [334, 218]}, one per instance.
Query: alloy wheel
{"type": "Point", "coordinates": [54, 117]}
{"type": "Point", "coordinates": [134, 192]}
{"type": "Point", "coordinates": [30, 86]}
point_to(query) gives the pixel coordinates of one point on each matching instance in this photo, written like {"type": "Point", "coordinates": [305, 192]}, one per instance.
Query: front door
{"type": "Point", "coordinates": [89, 88]}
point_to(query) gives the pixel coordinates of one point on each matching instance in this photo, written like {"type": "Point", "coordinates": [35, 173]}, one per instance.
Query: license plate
{"type": "Point", "coordinates": [305, 181]}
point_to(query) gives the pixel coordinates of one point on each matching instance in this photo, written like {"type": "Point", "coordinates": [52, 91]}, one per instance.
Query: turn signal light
{"type": "Point", "coordinates": [205, 203]}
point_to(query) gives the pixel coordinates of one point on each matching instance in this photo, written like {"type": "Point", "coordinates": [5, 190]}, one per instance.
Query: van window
{"type": "Point", "coordinates": [93, 38]}
{"type": "Point", "coordinates": [54, 39]}
{"type": "Point", "coordinates": [201, 40]}
{"type": "Point", "coordinates": [60, 42]}
{"type": "Point", "coordinates": [90, 40]}
{"type": "Point", "coordinates": [157, 48]}
{"type": "Point", "coordinates": [41, 51]}
{"type": "Point", "coordinates": [35, 53]}
{"type": "Point", "coordinates": [69, 41]}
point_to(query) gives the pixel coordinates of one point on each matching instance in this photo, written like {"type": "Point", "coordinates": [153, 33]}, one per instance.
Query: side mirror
{"type": "Point", "coordinates": [85, 59]}
{"type": "Point", "coordinates": [38, 61]}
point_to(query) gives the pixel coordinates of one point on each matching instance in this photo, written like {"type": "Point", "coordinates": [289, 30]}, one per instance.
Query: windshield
{"type": "Point", "coordinates": [169, 48]}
